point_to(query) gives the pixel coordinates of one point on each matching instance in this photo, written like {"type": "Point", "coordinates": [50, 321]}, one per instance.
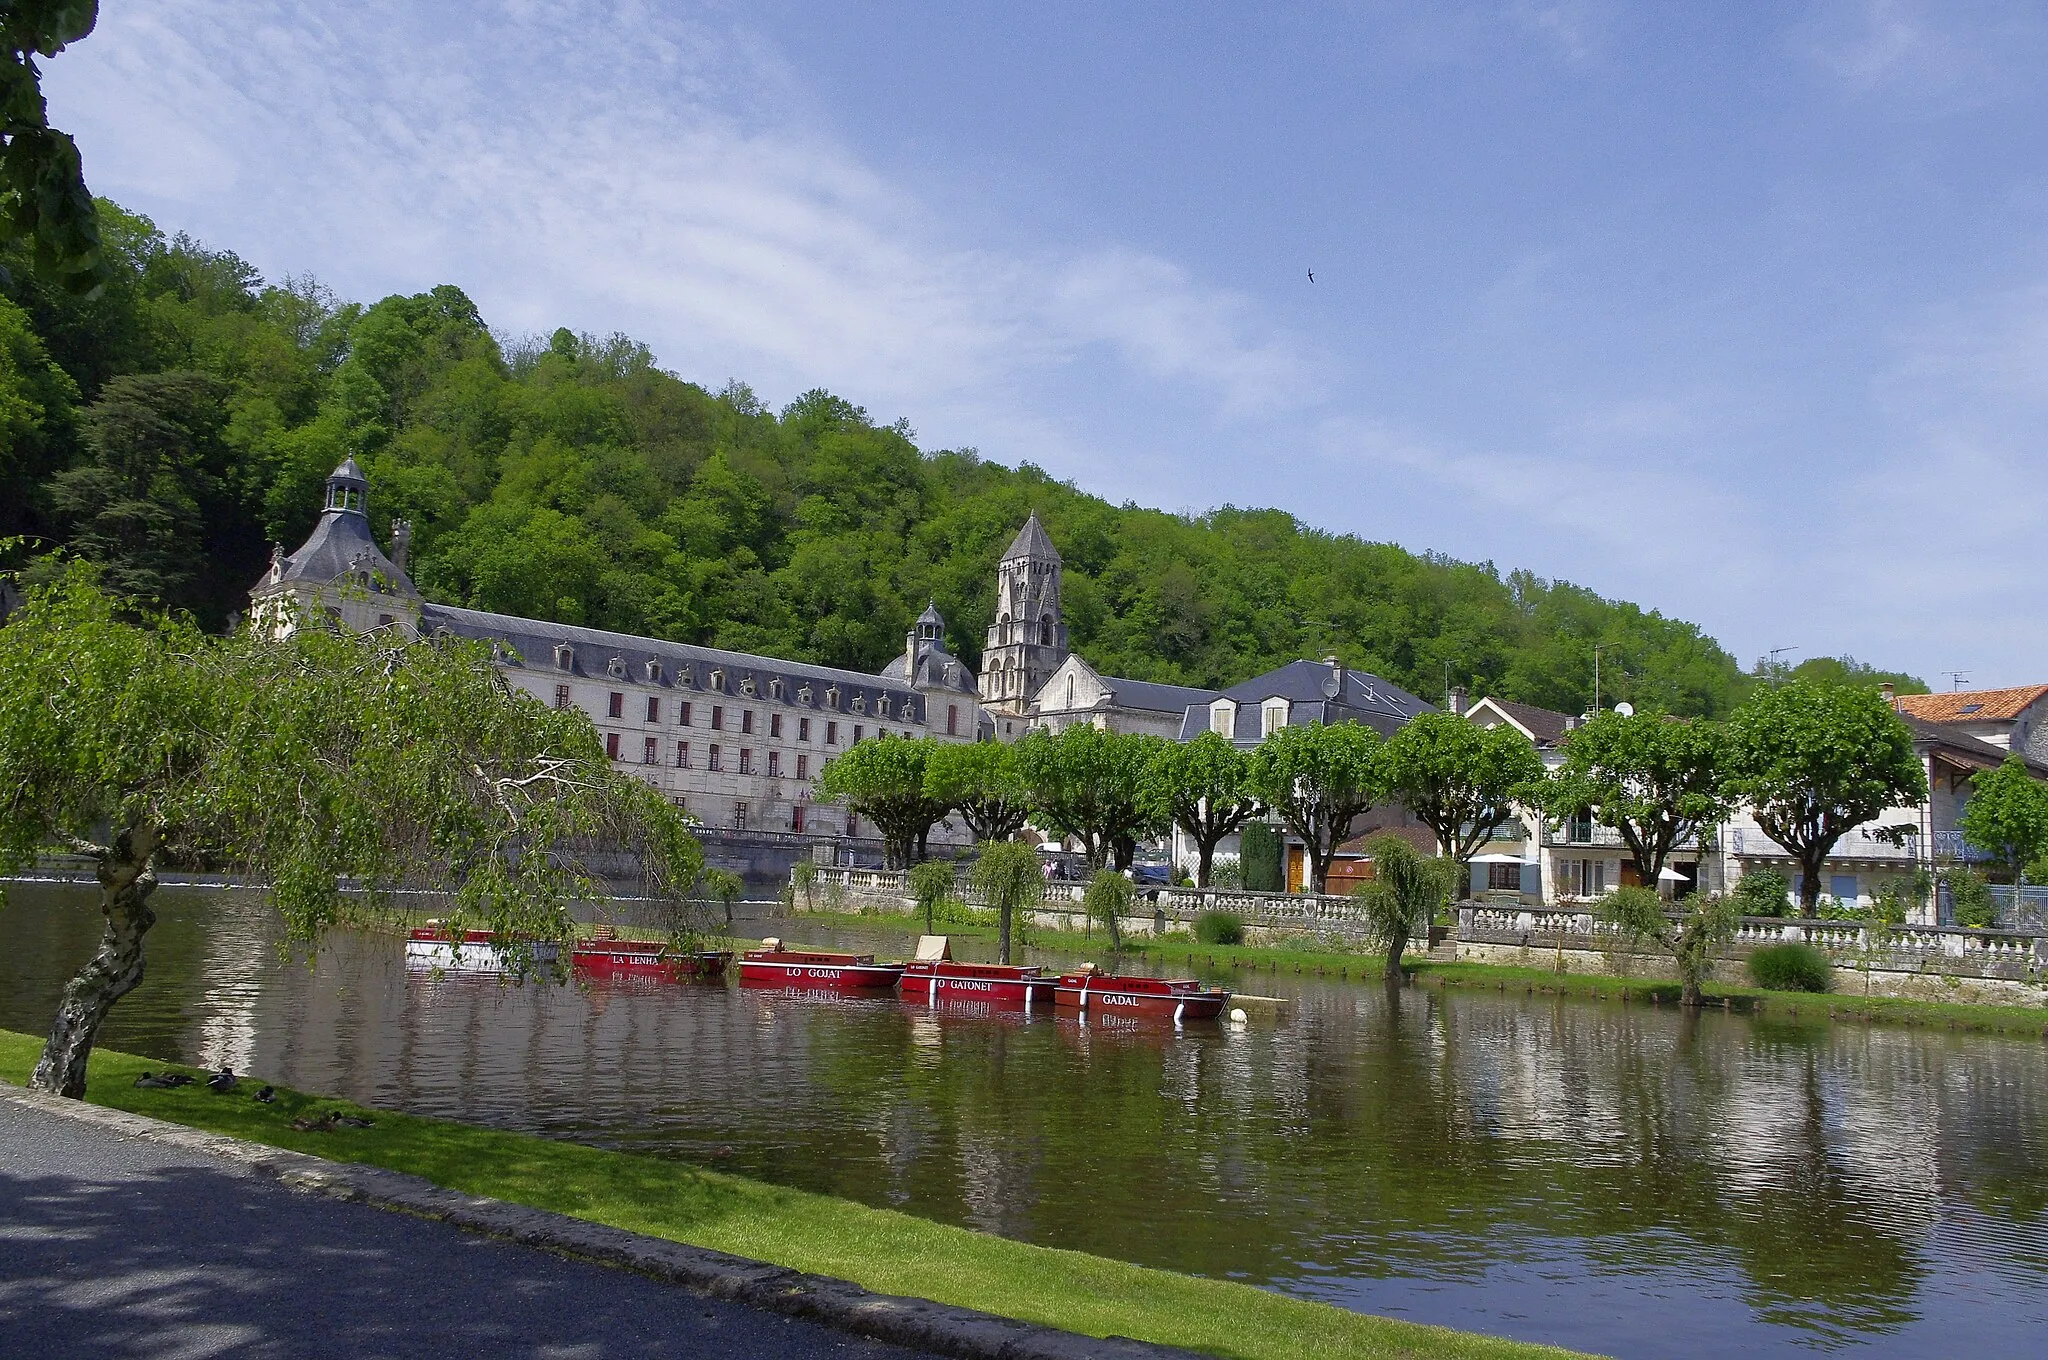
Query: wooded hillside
{"type": "Point", "coordinates": [177, 425]}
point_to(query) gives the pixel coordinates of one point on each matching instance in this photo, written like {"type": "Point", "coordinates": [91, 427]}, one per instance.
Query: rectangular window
{"type": "Point", "coordinates": [682, 755]}
{"type": "Point", "coordinates": [803, 767]}
{"type": "Point", "coordinates": [714, 763]}
{"type": "Point", "coordinates": [831, 734]}
{"type": "Point", "coordinates": [617, 707]}
{"type": "Point", "coordinates": [611, 745]}
{"type": "Point", "coordinates": [718, 717]}
{"type": "Point", "coordinates": [747, 721]}
{"type": "Point", "coordinates": [561, 696]}
{"type": "Point", "coordinates": [796, 816]}
{"type": "Point", "coordinates": [774, 724]}
{"type": "Point", "coordinates": [683, 716]}
{"type": "Point", "coordinates": [649, 752]}
{"type": "Point", "coordinates": [384, 620]}
{"type": "Point", "coordinates": [774, 764]}
{"type": "Point", "coordinates": [682, 802]}
{"type": "Point", "coordinates": [859, 732]}
{"type": "Point", "coordinates": [739, 815]}
{"type": "Point", "coordinates": [1842, 887]}
{"type": "Point", "coordinates": [953, 720]}
{"type": "Point", "coordinates": [803, 729]}
{"type": "Point", "coordinates": [746, 760]}
{"type": "Point", "coordinates": [653, 708]}
{"type": "Point", "coordinates": [1504, 877]}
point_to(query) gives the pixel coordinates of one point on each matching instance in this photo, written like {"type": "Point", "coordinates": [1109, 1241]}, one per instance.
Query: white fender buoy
{"type": "Point", "coordinates": [1237, 1016]}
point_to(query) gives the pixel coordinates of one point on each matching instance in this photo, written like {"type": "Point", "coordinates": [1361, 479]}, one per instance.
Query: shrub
{"type": "Point", "coordinates": [1227, 872]}
{"type": "Point", "coordinates": [1763, 892]}
{"type": "Point", "coordinates": [1970, 899]}
{"type": "Point", "coordinates": [1262, 863]}
{"type": "Point", "coordinates": [1791, 968]}
{"type": "Point", "coordinates": [1219, 927]}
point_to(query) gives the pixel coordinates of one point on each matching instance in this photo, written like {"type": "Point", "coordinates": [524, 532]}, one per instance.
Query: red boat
{"type": "Point", "coordinates": [1179, 998]}
{"type": "Point", "coordinates": [816, 969]}
{"type": "Point", "coordinates": [646, 958]}
{"type": "Point", "coordinates": [999, 984]}
{"type": "Point", "coordinates": [433, 946]}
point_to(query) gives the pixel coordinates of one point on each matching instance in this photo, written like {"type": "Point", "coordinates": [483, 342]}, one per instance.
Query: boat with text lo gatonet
{"type": "Point", "coordinates": [1110, 994]}
{"type": "Point", "coordinates": [605, 956]}
{"type": "Point", "coordinates": [935, 977]}
{"type": "Point", "coordinates": [436, 946]}
{"type": "Point", "coordinates": [816, 969]}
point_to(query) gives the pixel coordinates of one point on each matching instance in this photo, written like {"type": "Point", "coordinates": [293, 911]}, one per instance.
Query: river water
{"type": "Point", "coordinates": [1621, 1179]}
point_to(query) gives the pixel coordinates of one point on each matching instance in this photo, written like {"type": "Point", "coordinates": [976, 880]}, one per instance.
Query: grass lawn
{"type": "Point", "coordinates": [885, 1251]}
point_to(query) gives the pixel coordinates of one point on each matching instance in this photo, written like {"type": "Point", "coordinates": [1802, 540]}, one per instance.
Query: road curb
{"type": "Point", "coordinates": [920, 1323]}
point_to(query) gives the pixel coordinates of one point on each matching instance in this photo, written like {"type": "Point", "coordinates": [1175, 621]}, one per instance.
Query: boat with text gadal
{"type": "Point", "coordinates": [816, 969]}
{"type": "Point", "coordinates": [435, 946]}
{"type": "Point", "coordinates": [647, 958]}
{"type": "Point", "coordinates": [935, 977]}
{"type": "Point", "coordinates": [1177, 999]}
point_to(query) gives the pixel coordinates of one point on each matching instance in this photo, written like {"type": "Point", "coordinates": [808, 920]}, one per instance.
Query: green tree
{"type": "Point", "coordinates": [1203, 786]}
{"type": "Point", "coordinates": [1403, 895]}
{"type": "Point", "coordinates": [979, 780]}
{"type": "Point", "coordinates": [2007, 816]}
{"type": "Point", "coordinates": [1318, 780]}
{"type": "Point", "coordinates": [1814, 760]}
{"type": "Point", "coordinates": [1009, 879]}
{"type": "Point", "coordinates": [803, 883]}
{"type": "Point", "coordinates": [1657, 782]}
{"type": "Point", "coordinates": [1462, 781]}
{"type": "Point", "coordinates": [724, 887]}
{"type": "Point", "coordinates": [1703, 924]}
{"type": "Point", "coordinates": [882, 779]}
{"type": "Point", "coordinates": [931, 883]}
{"type": "Point", "coordinates": [36, 401]}
{"type": "Point", "coordinates": [295, 762]}
{"type": "Point", "coordinates": [1763, 892]}
{"type": "Point", "coordinates": [1107, 899]}
{"type": "Point", "coordinates": [1261, 861]}
{"type": "Point", "coordinates": [1092, 785]}
{"type": "Point", "coordinates": [43, 198]}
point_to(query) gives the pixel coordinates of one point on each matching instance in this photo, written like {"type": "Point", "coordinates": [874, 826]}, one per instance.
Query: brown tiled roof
{"type": "Point", "coordinates": [1421, 837]}
{"type": "Point", "coordinates": [1972, 705]}
{"type": "Point", "coordinates": [1546, 726]}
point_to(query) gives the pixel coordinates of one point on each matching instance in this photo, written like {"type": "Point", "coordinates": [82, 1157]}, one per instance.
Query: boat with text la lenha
{"type": "Point", "coordinates": [815, 969]}
{"type": "Point", "coordinates": [1112, 994]}
{"type": "Point", "coordinates": [603, 954]}
{"type": "Point", "coordinates": [935, 977]}
{"type": "Point", "coordinates": [435, 946]}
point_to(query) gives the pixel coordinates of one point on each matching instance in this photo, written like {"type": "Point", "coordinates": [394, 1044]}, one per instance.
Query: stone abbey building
{"type": "Point", "coordinates": [733, 738]}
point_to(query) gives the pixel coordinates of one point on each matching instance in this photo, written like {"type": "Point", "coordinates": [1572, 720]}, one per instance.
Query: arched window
{"type": "Point", "coordinates": [1045, 631]}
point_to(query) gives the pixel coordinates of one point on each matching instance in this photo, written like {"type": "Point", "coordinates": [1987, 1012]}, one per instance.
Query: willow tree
{"type": "Point", "coordinates": [1009, 879]}
{"type": "Point", "coordinates": [1406, 890]}
{"type": "Point", "coordinates": [883, 780]}
{"type": "Point", "coordinates": [297, 763]}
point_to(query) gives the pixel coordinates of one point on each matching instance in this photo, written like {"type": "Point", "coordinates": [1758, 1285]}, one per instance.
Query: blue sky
{"type": "Point", "coordinates": [1740, 312]}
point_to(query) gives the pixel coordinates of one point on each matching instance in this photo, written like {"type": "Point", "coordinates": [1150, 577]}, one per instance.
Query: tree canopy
{"type": "Point", "coordinates": [568, 477]}
{"type": "Point", "coordinates": [2007, 816]}
{"type": "Point", "coordinates": [1318, 780]}
{"type": "Point", "coordinates": [1095, 786]}
{"type": "Point", "coordinates": [1205, 787]}
{"type": "Point", "coordinates": [1657, 782]}
{"type": "Point", "coordinates": [1462, 781]}
{"type": "Point", "coordinates": [883, 780]}
{"type": "Point", "coordinates": [297, 763]}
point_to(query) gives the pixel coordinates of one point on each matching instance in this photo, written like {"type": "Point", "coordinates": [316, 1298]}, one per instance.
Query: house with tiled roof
{"type": "Point", "coordinates": [1078, 693]}
{"type": "Point", "coordinates": [2014, 719]}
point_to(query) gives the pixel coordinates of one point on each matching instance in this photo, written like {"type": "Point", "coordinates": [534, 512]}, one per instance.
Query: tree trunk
{"type": "Point", "coordinates": [125, 885]}
{"type": "Point", "coordinates": [1204, 862]}
{"type": "Point", "coordinates": [1809, 884]}
{"type": "Point", "coordinates": [1002, 933]}
{"type": "Point", "coordinates": [1126, 850]}
{"type": "Point", "coordinates": [924, 844]}
{"type": "Point", "coordinates": [1397, 945]}
{"type": "Point", "coordinates": [1318, 866]}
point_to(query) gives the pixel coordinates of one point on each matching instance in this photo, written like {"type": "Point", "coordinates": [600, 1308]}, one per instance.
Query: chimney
{"type": "Point", "coordinates": [401, 542]}
{"type": "Point", "coordinates": [1455, 701]}
{"type": "Point", "coordinates": [1888, 694]}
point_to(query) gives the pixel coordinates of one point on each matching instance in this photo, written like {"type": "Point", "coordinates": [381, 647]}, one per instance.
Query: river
{"type": "Point", "coordinates": [1622, 1179]}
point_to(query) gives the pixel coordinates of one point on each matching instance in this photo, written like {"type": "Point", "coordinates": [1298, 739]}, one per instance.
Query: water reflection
{"type": "Point", "coordinates": [1626, 1179]}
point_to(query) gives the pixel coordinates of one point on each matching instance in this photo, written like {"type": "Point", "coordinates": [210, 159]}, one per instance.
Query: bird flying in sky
{"type": "Point", "coordinates": [1311, 276]}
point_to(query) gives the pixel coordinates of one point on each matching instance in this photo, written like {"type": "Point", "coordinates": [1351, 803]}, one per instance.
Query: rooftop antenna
{"type": "Point", "coordinates": [1956, 678]}
{"type": "Point", "coordinates": [1774, 654]}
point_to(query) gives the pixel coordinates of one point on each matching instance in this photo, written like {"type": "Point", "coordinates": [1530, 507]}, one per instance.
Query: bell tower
{"type": "Point", "coordinates": [1028, 640]}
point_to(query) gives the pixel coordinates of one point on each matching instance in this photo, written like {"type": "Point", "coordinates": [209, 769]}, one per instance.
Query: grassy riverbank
{"type": "Point", "coordinates": [879, 1249]}
{"type": "Point", "coordinates": [1249, 961]}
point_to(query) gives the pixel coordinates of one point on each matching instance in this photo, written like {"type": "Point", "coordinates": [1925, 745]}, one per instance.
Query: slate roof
{"type": "Point", "coordinates": [1155, 698]}
{"type": "Point", "coordinates": [1972, 705]}
{"type": "Point", "coordinates": [1362, 697]}
{"type": "Point", "coordinates": [1032, 541]}
{"type": "Point", "coordinates": [532, 643]}
{"type": "Point", "coordinates": [932, 661]}
{"type": "Point", "coordinates": [340, 543]}
{"type": "Point", "coordinates": [1965, 749]}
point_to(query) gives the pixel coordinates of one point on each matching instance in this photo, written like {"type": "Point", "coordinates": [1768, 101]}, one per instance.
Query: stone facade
{"type": "Point", "coordinates": [1028, 640]}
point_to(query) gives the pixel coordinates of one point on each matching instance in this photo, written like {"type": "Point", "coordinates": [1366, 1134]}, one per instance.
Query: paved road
{"type": "Point", "coordinates": [111, 1246]}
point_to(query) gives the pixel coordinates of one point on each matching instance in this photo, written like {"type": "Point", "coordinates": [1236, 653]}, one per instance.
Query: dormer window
{"type": "Point", "coordinates": [718, 681]}
{"type": "Point", "coordinates": [686, 676]}
{"type": "Point", "coordinates": [654, 672]}
{"type": "Point", "coordinates": [1272, 716]}
{"type": "Point", "coordinates": [803, 695]}
{"type": "Point", "coordinates": [832, 697]}
{"type": "Point", "coordinates": [882, 706]}
{"type": "Point", "coordinates": [860, 703]}
{"type": "Point", "coordinates": [616, 667]}
{"type": "Point", "coordinates": [747, 687]}
{"type": "Point", "coordinates": [565, 657]}
{"type": "Point", "coordinates": [1223, 718]}
{"type": "Point", "coordinates": [775, 688]}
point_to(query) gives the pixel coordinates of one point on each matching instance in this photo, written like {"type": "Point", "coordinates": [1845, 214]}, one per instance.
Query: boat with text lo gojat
{"type": "Point", "coordinates": [1176, 999]}
{"type": "Point", "coordinates": [816, 969]}
{"type": "Point", "coordinates": [603, 954]}
{"type": "Point", "coordinates": [935, 977]}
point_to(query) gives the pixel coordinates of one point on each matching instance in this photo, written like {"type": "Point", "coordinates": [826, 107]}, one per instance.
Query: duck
{"type": "Point", "coordinates": [266, 1095]}
{"type": "Point", "coordinates": [222, 1081]}
{"type": "Point", "coordinates": [157, 1081]}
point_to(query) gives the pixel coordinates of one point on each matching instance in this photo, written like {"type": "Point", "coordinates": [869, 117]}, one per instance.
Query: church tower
{"type": "Point", "coordinates": [1028, 640]}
